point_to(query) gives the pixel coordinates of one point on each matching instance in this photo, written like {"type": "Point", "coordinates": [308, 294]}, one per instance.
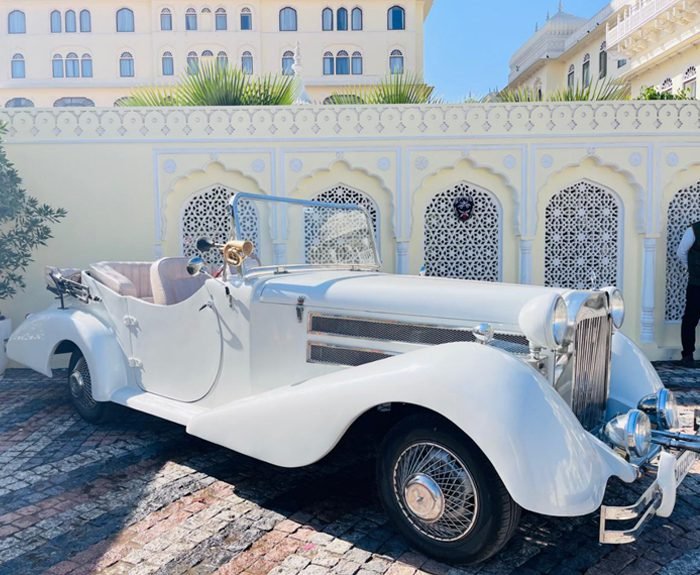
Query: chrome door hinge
{"type": "Point", "coordinates": [135, 363]}
{"type": "Point", "coordinates": [130, 321]}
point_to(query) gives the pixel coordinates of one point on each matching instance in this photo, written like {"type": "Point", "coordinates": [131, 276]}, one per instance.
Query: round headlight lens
{"type": "Point", "coordinates": [637, 433]}
{"type": "Point", "coordinates": [560, 321]}
{"type": "Point", "coordinates": [667, 408]}
{"type": "Point", "coordinates": [617, 306]}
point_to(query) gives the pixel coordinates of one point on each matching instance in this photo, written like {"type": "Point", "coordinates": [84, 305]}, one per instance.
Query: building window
{"type": "Point", "coordinates": [327, 20]}
{"type": "Point", "coordinates": [72, 65]}
{"type": "Point", "coordinates": [16, 22]}
{"type": "Point", "coordinates": [166, 19]}
{"type": "Point", "coordinates": [57, 66]}
{"type": "Point", "coordinates": [357, 19]}
{"type": "Point", "coordinates": [85, 21]}
{"type": "Point", "coordinates": [55, 21]}
{"type": "Point", "coordinates": [19, 103]}
{"type": "Point", "coordinates": [246, 19]}
{"type": "Point", "coordinates": [73, 102]}
{"type": "Point", "coordinates": [192, 63]}
{"type": "Point", "coordinates": [396, 62]}
{"type": "Point", "coordinates": [191, 19]}
{"type": "Point", "coordinates": [396, 18]}
{"type": "Point", "coordinates": [71, 22]}
{"type": "Point", "coordinates": [247, 62]}
{"type": "Point", "coordinates": [288, 20]}
{"type": "Point", "coordinates": [356, 63]}
{"type": "Point", "coordinates": [221, 20]}
{"type": "Point", "coordinates": [603, 61]}
{"type": "Point", "coordinates": [328, 64]}
{"type": "Point", "coordinates": [168, 64]}
{"type": "Point", "coordinates": [222, 60]}
{"type": "Point", "coordinates": [666, 86]}
{"type": "Point", "coordinates": [342, 19]}
{"type": "Point", "coordinates": [690, 82]}
{"type": "Point", "coordinates": [288, 63]}
{"type": "Point", "coordinates": [622, 63]}
{"type": "Point", "coordinates": [125, 20]}
{"type": "Point", "coordinates": [126, 65]}
{"type": "Point", "coordinates": [18, 69]}
{"type": "Point", "coordinates": [86, 66]}
{"type": "Point", "coordinates": [570, 78]}
{"type": "Point", "coordinates": [207, 54]}
{"type": "Point", "coordinates": [586, 71]}
{"type": "Point", "coordinates": [342, 63]}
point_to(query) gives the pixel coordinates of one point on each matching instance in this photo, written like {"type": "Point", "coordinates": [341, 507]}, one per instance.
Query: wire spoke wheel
{"type": "Point", "coordinates": [81, 385]}
{"type": "Point", "coordinates": [435, 491]}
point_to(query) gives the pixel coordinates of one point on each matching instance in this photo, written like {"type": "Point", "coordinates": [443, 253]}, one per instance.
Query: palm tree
{"type": "Point", "coordinates": [606, 90]}
{"type": "Point", "coordinates": [394, 89]}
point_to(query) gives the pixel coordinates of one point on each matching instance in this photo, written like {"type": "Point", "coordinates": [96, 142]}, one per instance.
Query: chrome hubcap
{"type": "Point", "coordinates": [81, 385]}
{"type": "Point", "coordinates": [435, 491]}
{"type": "Point", "coordinates": [76, 383]}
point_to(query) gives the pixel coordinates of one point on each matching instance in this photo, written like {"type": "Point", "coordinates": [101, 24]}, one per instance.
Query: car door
{"type": "Point", "coordinates": [177, 348]}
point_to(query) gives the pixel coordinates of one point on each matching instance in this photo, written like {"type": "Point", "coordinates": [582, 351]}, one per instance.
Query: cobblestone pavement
{"type": "Point", "coordinates": [137, 495]}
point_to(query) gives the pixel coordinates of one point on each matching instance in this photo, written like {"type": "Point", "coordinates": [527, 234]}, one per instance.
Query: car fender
{"type": "Point", "coordinates": [34, 343]}
{"type": "Point", "coordinates": [546, 460]}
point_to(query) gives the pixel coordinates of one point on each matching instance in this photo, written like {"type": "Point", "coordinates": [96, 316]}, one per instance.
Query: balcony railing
{"type": "Point", "coordinates": [636, 16]}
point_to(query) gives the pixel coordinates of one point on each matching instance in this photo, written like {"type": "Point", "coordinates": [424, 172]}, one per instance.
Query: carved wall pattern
{"type": "Point", "coordinates": [345, 195]}
{"type": "Point", "coordinates": [583, 227]}
{"type": "Point", "coordinates": [683, 210]}
{"type": "Point", "coordinates": [464, 250]}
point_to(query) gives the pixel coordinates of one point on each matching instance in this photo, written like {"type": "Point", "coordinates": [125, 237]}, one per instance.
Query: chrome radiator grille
{"type": "Point", "coordinates": [592, 344]}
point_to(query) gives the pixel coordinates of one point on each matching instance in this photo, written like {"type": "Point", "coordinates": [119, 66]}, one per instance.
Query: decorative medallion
{"type": "Point", "coordinates": [464, 207]}
{"type": "Point", "coordinates": [258, 166]}
{"type": "Point", "coordinates": [169, 166]}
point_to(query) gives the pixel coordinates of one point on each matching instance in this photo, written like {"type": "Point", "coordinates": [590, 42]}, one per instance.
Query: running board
{"type": "Point", "coordinates": [170, 409]}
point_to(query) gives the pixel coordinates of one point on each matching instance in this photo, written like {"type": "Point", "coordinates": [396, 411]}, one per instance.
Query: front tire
{"type": "Point", "coordinates": [80, 387]}
{"type": "Point", "coordinates": [442, 493]}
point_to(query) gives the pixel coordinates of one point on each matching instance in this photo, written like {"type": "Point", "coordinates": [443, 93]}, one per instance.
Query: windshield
{"type": "Point", "coordinates": [289, 232]}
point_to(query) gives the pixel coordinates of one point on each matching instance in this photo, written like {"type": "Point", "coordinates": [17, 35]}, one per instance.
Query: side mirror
{"type": "Point", "coordinates": [195, 266]}
{"type": "Point", "coordinates": [204, 244]}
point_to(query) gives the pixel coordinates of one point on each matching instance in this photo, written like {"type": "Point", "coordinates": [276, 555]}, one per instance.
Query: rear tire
{"type": "Point", "coordinates": [442, 493]}
{"type": "Point", "coordinates": [80, 388]}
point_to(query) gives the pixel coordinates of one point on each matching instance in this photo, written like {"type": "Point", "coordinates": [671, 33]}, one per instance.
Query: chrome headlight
{"type": "Point", "coordinates": [544, 320]}
{"type": "Point", "coordinates": [661, 407]}
{"type": "Point", "coordinates": [617, 306]}
{"type": "Point", "coordinates": [630, 431]}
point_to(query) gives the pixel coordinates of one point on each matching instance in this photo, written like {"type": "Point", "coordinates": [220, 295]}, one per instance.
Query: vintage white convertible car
{"type": "Point", "coordinates": [497, 397]}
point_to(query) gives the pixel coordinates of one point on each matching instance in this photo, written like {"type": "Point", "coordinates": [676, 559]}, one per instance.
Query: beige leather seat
{"type": "Point", "coordinates": [125, 278]}
{"type": "Point", "coordinates": [171, 282]}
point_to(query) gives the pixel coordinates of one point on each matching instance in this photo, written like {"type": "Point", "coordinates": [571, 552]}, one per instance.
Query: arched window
{"type": "Point", "coordinates": [19, 103]}
{"type": "Point", "coordinates": [327, 19]}
{"type": "Point", "coordinates": [357, 18]}
{"type": "Point", "coordinates": [288, 19]}
{"type": "Point", "coordinates": [247, 62]}
{"type": "Point", "coordinates": [168, 64]}
{"type": "Point", "coordinates": [86, 66]}
{"type": "Point", "coordinates": [586, 71]}
{"type": "Point", "coordinates": [166, 19]}
{"type": "Point", "coordinates": [57, 66]}
{"type": "Point", "coordinates": [123, 101]}
{"type": "Point", "coordinates": [328, 64]}
{"type": "Point", "coordinates": [463, 244]}
{"type": "Point", "coordinates": [73, 102]}
{"type": "Point", "coordinates": [207, 54]}
{"type": "Point", "coordinates": [246, 19]}
{"type": "Point", "coordinates": [125, 20]}
{"type": "Point", "coordinates": [582, 238]}
{"type": "Point", "coordinates": [666, 86]}
{"type": "Point", "coordinates": [191, 19]}
{"type": "Point", "coordinates": [342, 63]}
{"type": "Point", "coordinates": [396, 63]}
{"type": "Point", "coordinates": [72, 65]}
{"type": "Point", "coordinates": [17, 65]}
{"type": "Point", "coordinates": [55, 21]}
{"type": "Point", "coordinates": [603, 61]}
{"type": "Point", "coordinates": [16, 22]}
{"type": "Point", "coordinates": [396, 18]}
{"type": "Point", "coordinates": [570, 78]}
{"type": "Point", "coordinates": [221, 19]}
{"type": "Point", "coordinates": [85, 21]}
{"type": "Point", "coordinates": [356, 63]}
{"type": "Point", "coordinates": [126, 65]}
{"type": "Point", "coordinates": [192, 63]}
{"type": "Point", "coordinates": [288, 63]}
{"type": "Point", "coordinates": [690, 82]}
{"type": "Point", "coordinates": [222, 60]}
{"type": "Point", "coordinates": [342, 18]}
{"type": "Point", "coordinates": [71, 21]}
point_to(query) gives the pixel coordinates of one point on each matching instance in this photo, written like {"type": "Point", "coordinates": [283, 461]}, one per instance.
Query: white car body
{"type": "Point", "coordinates": [254, 363]}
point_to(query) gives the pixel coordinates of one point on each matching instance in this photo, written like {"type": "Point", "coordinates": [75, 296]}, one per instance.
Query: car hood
{"type": "Point", "coordinates": [403, 295]}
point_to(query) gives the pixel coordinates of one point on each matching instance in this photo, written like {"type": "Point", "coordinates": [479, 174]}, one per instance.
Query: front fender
{"type": "Point", "coordinates": [34, 342]}
{"type": "Point", "coordinates": [546, 460]}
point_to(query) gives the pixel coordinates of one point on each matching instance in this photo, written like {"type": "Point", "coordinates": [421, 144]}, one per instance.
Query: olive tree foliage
{"type": "Point", "coordinates": [25, 224]}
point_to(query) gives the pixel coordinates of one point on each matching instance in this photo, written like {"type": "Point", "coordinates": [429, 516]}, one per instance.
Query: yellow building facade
{"type": "Point", "coordinates": [646, 43]}
{"type": "Point", "coordinates": [94, 53]}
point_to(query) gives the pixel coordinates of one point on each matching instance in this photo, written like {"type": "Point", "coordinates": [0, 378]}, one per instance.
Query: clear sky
{"type": "Point", "coordinates": [468, 43]}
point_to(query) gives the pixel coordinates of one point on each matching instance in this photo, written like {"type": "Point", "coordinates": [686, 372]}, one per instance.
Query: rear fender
{"type": "Point", "coordinates": [35, 341]}
{"type": "Point", "coordinates": [546, 460]}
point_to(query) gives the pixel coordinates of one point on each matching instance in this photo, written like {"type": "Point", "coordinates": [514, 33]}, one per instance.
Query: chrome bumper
{"type": "Point", "coordinates": [659, 499]}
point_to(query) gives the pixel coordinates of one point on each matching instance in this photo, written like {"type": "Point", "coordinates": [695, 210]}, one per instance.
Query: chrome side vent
{"type": "Point", "coordinates": [336, 355]}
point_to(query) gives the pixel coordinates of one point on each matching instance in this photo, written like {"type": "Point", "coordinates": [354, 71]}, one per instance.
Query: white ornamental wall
{"type": "Point", "coordinates": [139, 183]}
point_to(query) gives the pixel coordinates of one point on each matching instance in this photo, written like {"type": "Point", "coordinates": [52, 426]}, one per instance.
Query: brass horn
{"type": "Point", "coordinates": [236, 251]}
